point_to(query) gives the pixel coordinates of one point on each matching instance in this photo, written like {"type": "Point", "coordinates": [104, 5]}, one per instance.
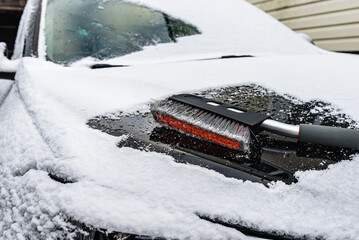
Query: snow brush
{"type": "Point", "coordinates": [231, 126]}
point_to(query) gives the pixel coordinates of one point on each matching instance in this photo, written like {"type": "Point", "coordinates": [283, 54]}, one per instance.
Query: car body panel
{"type": "Point", "coordinates": [148, 193]}
{"type": "Point", "coordinates": [98, 168]}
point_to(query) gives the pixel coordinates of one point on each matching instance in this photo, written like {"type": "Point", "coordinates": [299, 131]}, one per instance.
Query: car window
{"type": "Point", "coordinates": [105, 29]}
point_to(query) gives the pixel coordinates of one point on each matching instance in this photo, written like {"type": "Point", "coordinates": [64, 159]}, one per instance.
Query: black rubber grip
{"type": "Point", "coordinates": [329, 136]}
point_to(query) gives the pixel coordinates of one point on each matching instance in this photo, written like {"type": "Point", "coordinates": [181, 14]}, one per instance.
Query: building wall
{"type": "Point", "coordinates": [12, 5]}
{"type": "Point", "coordinates": [332, 24]}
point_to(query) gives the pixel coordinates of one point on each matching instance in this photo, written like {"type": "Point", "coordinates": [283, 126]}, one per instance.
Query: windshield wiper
{"type": "Point", "coordinates": [255, 232]}
{"type": "Point", "coordinates": [224, 57]}
{"type": "Point", "coordinates": [104, 65]}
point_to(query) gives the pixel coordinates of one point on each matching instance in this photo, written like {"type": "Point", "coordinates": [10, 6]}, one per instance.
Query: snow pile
{"type": "Point", "coordinates": [5, 87]}
{"type": "Point", "coordinates": [147, 193]}
{"type": "Point", "coordinates": [5, 64]}
{"type": "Point", "coordinates": [27, 210]}
{"type": "Point", "coordinates": [43, 130]}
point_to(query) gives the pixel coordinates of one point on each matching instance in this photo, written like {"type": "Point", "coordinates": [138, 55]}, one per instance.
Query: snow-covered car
{"type": "Point", "coordinates": [82, 157]}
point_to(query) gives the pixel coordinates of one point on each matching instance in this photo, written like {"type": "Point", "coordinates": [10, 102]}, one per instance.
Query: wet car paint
{"type": "Point", "coordinates": [271, 158]}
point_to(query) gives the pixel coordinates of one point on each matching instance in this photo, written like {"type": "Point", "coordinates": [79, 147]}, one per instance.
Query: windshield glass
{"type": "Point", "coordinates": [106, 28]}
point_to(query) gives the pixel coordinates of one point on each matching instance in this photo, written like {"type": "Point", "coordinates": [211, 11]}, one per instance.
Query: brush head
{"type": "Point", "coordinates": [202, 124]}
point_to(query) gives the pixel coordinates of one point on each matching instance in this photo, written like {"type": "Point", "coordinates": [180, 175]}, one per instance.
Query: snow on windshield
{"type": "Point", "coordinates": [243, 31]}
{"type": "Point", "coordinates": [75, 30]}
{"type": "Point", "coordinates": [230, 27]}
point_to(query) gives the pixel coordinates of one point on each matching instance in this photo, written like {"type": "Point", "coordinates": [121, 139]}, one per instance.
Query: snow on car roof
{"type": "Point", "coordinates": [43, 130]}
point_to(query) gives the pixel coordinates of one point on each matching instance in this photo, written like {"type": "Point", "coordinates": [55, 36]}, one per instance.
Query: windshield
{"type": "Point", "coordinates": [106, 28]}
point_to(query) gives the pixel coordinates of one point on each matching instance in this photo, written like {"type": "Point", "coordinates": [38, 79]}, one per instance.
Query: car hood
{"type": "Point", "coordinates": [148, 193]}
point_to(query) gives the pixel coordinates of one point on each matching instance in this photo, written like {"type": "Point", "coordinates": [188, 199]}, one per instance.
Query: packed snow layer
{"type": "Point", "coordinates": [5, 87]}
{"type": "Point", "coordinates": [148, 193]}
{"type": "Point", "coordinates": [26, 212]}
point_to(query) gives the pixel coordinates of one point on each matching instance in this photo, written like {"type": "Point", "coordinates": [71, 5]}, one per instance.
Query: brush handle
{"type": "Point", "coordinates": [329, 136]}
{"type": "Point", "coordinates": [280, 128]}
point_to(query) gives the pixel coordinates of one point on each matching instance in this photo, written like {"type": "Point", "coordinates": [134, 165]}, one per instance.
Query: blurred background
{"type": "Point", "coordinates": [10, 13]}
{"type": "Point", "coordinates": [330, 24]}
